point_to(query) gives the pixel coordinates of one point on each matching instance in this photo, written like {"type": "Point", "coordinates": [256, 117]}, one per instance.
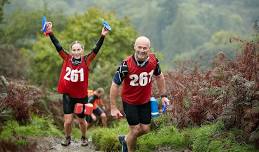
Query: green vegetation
{"type": "Point", "coordinates": [208, 138]}
{"type": "Point", "coordinates": [38, 127]}
{"type": "Point", "coordinates": [86, 28]}
{"type": "Point", "coordinates": [106, 138]}
{"type": "Point", "coordinates": [179, 30]}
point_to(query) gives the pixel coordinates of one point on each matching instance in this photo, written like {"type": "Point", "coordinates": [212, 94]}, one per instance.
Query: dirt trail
{"type": "Point", "coordinates": [51, 144]}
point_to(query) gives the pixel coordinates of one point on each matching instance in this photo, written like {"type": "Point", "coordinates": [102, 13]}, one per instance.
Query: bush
{"type": "Point", "coordinates": [106, 139]}
{"type": "Point", "coordinates": [40, 127]}
{"type": "Point", "coordinates": [211, 137]}
{"type": "Point", "coordinates": [20, 97]}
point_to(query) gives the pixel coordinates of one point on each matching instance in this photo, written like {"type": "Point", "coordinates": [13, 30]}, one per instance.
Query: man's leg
{"type": "Point", "coordinates": [104, 119]}
{"type": "Point", "coordinates": [131, 138]}
{"type": "Point", "coordinates": [144, 129]}
{"type": "Point", "coordinates": [134, 133]}
{"type": "Point", "coordinates": [99, 112]}
{"type": "Point", "coordinates": [93, 117]}
{"type": "Point", "coordinates": [144, 119]}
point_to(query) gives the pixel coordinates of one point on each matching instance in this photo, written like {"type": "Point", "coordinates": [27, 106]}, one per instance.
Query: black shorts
{"type": "Point", "coordinates": [137, 114]}
{"type": "Point", "coordinates": [69, 104]}
{"type": "Point", "coordinates": [98, 111]}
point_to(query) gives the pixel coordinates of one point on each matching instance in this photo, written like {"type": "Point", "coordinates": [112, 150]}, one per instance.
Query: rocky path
{"type": "Point", "coordinates": [51, 144]}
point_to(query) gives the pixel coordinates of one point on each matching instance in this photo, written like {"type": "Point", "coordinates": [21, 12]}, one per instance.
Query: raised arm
{"type": "Point", "coordinates": [92, 54]}
{"type": "Point", "coordinates": [55, 41]}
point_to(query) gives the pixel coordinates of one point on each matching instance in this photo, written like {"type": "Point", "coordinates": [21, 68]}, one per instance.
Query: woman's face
{"type": "Point", "coordinates": [77, 50]}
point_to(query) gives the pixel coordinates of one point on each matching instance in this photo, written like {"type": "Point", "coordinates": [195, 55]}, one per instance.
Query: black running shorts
{"type": "Point", "coordinates": [97, 112]}
{"type": "Point", "coordinates": [137, 114]}
{"type": "Point", "coordinates": [69, 104]}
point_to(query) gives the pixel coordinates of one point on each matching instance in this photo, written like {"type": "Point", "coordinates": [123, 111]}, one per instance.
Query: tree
{"type": "Point", "coordinates": [46, 63]}
{"type": "Point", "coordinates": [21, 28]}
{"type": "Point", "coordinates": [2, 3]}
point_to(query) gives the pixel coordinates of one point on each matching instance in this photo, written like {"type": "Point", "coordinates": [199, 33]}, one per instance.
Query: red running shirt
{"type": "Point", "coordinates": [137, 85]}
{"type": "Point", "coordinates": [73, 79]}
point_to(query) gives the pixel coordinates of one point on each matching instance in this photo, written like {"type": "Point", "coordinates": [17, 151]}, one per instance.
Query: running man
{"type": "Point", "coordinates": [96, 100]}
{"type": "Point", "coordinates": [135, 74]}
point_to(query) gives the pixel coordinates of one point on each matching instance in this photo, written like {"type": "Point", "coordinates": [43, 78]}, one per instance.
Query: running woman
{"type": "Point", "coordinates": [73, 81]}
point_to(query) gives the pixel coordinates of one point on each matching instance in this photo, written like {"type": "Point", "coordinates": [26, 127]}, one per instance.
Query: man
{"type": "Point", "coordinates": [96, 100]}
{"type": "Point", "coordinates": [135, 74]}
{"type": "Point", "coordinates": [73, 81]}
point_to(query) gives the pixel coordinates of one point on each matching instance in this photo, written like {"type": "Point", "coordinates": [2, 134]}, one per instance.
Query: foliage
{"type": "Point", "coordinates": [204, 54]}
{"type": "Point", "coordinates": [105, 139]}
{"type": "Point", "coordinates": [174, 26]}
{"type": "Point", "coordinates": [21, 31]}
{"type": "Point", "coordinates": [9, 56]}
{"type": "Point", "coordinates": [19, 99]}
{"type": "Point", "coordinates": [40, 127]}
{"type": "Point", "coordinates": [177, 26]}
{"type": "Point", "coordinates": [2, 4]}
{"type": "Point", "coordinates": [86, 28]}
{"type": "Point", "coordinates": [210, 137]}
{"type": "Point", "coordinates": [226, 91]}
{"type": "Point", "coordinates": [21, 146]}
{"type": "Point", "coordinates": [14, 136]}
{"type": "Point", "coordinates": [18, 31]}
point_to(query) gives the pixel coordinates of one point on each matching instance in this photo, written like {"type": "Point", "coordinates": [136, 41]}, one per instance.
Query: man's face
{"type": "Point", "coordinates": [77, 50]}
{"type": "Point", "coordinates": [142, 49]}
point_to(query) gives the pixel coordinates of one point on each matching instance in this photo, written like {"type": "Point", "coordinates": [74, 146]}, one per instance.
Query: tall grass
{"type": "Point", "coordinates": [207, 138]}
{"type": "Point", "coordinates": [39, 127]}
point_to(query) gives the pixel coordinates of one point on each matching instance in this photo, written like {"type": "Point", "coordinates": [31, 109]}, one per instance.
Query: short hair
{"type": "Point", "coordinates": [143, 38]}
{"type": "Point", "coordinates": [100, 91]}
{"type": "Point", "coordinates": [76, 42]}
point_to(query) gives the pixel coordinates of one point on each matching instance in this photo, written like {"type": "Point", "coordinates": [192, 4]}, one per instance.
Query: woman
{"type": "Point", "coordinates": [73, 81]}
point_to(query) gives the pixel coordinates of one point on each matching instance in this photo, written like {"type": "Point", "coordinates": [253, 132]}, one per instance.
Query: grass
{"type": "Point", "coordinates": [207, 138]}
{"type": "Point", "coordinates": [38, 127]}
{"type": "Point", "coordinates": [105, 139]}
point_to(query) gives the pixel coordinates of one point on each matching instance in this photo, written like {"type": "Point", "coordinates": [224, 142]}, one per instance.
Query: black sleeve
{"type": "Point", "coordinates": [98, 44]}
{"type": "Point", "coordinates": [55, 41]}
{"type": "Point", "coordinates": [157, 70]}
{"type": "Point", "coordinates": [121, 72]}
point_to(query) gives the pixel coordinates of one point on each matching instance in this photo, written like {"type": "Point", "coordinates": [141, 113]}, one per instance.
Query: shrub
{"type": "Point", "coordinates": [106, 139]}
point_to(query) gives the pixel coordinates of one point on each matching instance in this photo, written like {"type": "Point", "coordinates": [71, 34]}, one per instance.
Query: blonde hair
{"type": "Point", "coordinates": [76, 42]}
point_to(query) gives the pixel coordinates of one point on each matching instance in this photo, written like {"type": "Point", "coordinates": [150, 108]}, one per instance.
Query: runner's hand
{"type": "Point", "coordinates": [104, 31]}
{"type": "Point", "coordinates": [49, 28]}
{"type": "Point", "coordinates": [165, 100]}
{"type": "Point", "coordinates": [116, 113]}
